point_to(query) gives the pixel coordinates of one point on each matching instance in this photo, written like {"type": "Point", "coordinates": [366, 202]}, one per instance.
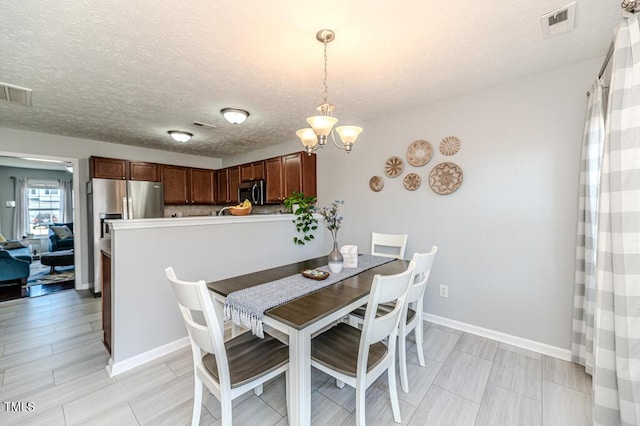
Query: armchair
{"type": "Point", "coordinates": [56, 243]}
{"type": "Point", "coordinates": [12, 269]}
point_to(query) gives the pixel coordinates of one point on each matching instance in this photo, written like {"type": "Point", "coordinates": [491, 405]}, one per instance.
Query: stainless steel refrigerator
{"type": "Point", "coordinates": [117, 199]}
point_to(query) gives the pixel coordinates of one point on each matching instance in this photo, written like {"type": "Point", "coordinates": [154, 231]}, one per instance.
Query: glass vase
{"type": "Point", "coordinates": [335, 259]}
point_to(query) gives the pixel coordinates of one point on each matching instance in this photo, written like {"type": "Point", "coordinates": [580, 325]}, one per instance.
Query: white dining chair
{"type": "Point", "coordinates": [228, 369]}
{"type": "Point", "coordinates": [358, 357]}
{"type": "Point", "coordinates": [413, 313]}
{"type": "Point", "coordinates": [388, 245]}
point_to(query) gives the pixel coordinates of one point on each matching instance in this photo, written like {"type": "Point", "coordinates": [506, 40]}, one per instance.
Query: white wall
{"type": "Point", "coordinates": [507, 236]}
{"type": "Point", "coordinates": [18, 143]}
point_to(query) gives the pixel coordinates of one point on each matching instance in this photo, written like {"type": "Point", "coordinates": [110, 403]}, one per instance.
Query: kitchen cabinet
{"type": "Point", "coordinates": [227, 182]}
{"type": "Point", "coordinates": [234, 182]}
{"type": "Point", "coordinates": [222, 186]}
{"type": "Point", "coordinates": [289, 173]}
{"type": "Point", "coordinates": [177, 185]}
{"type": "Point", "coordinates": [252, 171]}
{"type": "Point", "coordinates": [143, 171]}
{"type": "Point", "coordinates": [108, 168]}
{"type": "Point", "coordinates": [184, 185]}
{"type": "Point", "coordinates": [273, 174]}
{"type": "Point", "coordinates": [115, 168]}
{"type": "Point", "coordinates": [202, 186]}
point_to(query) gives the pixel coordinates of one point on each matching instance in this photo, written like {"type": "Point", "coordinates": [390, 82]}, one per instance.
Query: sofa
{"type": "Point", "coordinates": [61, 236]}
{"type": "Point", "coordinates": [14, 262]}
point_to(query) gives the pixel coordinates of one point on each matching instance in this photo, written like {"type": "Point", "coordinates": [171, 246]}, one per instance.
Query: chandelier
{"type": "Point", "coordinates": [322, 125]}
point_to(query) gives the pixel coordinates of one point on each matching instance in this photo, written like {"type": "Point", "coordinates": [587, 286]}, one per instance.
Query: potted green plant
{"type": "Point", "coordinates": [303, 208]}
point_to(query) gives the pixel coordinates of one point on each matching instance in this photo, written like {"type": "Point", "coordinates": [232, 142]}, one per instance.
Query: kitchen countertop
{"type": "Point", "coordinates": [167, 222]}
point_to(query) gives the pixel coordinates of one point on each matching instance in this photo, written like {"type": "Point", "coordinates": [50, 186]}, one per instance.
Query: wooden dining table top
{"type": "Point", "coordinates": [305, 310]}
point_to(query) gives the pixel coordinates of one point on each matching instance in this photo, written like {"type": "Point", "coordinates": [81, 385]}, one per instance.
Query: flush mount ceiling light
{"type": "Point", "coordinates": [322, 125]}
{"type": "Point", "coordinates": [234, 115]}
{"type": "Point", "coordinates": [179, 136]}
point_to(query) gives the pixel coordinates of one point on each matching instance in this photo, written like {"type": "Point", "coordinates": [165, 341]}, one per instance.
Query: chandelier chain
{"type": "Point", "coordinates": [325, 94]}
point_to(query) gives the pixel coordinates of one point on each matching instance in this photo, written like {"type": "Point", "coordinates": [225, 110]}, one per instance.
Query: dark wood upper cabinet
{"type": "Point", "coordinates": [289, 173]}
{"type": "Point", "coordinates": [274, 180]}
{"type": "Point", "coordinates": [143, 171]}
{"type": "Point", "coordinates": [234, 182]}
{"type": "Point", "coordinates": [108, 168]}
{"type": "Point", "coordinates": [185, 185]}
{"type": "Point", "coordinates": [177, 184]}
{"type": "Point", "coordinates": [202, 186]}
{"type": "Point", "coordinates": [222, 186]}
{"type": "Point", "coordinates": [115, 168]}
{"type": "Point", "coordinates": [252, 171]}
{"type": "Point", "coordinates": [292, 172]}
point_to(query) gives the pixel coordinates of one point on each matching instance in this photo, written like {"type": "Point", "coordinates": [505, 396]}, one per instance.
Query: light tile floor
{"type": "Point", "coordinates": [51, 356]}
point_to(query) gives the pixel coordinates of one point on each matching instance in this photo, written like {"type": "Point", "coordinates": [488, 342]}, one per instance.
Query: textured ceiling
{"type": "Point", "coordinates": [129, 71]}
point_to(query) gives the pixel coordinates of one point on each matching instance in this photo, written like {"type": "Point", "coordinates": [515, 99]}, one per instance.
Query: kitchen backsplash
{"type": "Point", "coordinates": [186, 211]}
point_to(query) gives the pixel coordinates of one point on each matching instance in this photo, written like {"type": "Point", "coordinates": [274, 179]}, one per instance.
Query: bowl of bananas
{"type": "Point", "coordinates": [241, 209]}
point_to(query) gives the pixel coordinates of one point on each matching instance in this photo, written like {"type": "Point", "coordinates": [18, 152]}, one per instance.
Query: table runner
{"type": "Point", "coordinates": [247, 307]}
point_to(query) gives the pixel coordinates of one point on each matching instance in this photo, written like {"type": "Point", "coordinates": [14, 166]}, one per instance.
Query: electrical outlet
{"type": "Point", "coordinates": [444, 290]}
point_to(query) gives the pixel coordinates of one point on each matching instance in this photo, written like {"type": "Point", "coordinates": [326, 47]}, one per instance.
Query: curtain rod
{"type": "Point", "coordinates": [629, 6]}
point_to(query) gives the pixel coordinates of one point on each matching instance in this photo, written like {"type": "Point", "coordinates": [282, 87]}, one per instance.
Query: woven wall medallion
{"type": "Point", "coordinates": [411, 181]}
{"type": "Point", "coordinates": [376, 183]}
{"type": "Point", "coordinates": [445, 178]}
{"type": "Point", "coordinates": [393, 166]}
{"type": "Point", "coordinates": [450, 145]}
{"type": "Point", "coordinates": [419, 153]}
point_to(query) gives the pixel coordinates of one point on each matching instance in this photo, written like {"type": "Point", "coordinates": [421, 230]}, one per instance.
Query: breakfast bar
{"type": "Point", "coordinates": [146, 322]}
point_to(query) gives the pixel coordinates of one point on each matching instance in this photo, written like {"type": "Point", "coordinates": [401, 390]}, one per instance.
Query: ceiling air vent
{"type": "Point", "coordinates": [15, 94]}
{"type": "Point", "coordinates": [205, 125]}
{"type": "Point", "coordinates": [559, 21]}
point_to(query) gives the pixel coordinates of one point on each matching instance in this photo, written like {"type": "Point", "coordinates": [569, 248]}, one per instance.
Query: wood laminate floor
{"type": "Point", "coordinates": [52, 360]}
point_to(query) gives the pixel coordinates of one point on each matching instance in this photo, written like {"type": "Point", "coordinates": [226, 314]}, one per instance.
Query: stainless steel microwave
{"type": "Point", "coordinates": [253, 191]}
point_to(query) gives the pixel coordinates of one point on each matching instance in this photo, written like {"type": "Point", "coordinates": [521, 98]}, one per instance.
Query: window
{"type": "Point", "coordinates": [44, 205]}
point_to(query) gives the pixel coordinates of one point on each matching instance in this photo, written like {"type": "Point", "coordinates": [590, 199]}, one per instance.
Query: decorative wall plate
{"type": "Point", "coordinates": [376, 183]}
{"type": "Point", "coordinates": [393, 166]}
{"type": "Point", "coordinates": [450, 145]}
{"type": "Point", "coordinates": [419, 153]}
{"type": "Point", "coordinates": [445, 178]}
{"type": "Point", "coordinates": [411, 181]}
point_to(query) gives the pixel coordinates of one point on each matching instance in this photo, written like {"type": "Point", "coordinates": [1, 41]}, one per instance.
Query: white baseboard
{"type": "Point", "coordinates": [543, 348]}
{"type": "Point", "coordinates": [115, 368]}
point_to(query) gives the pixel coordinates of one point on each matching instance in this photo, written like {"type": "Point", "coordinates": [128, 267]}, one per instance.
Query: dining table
{"type": "Point", "coordinates": [300, 318]}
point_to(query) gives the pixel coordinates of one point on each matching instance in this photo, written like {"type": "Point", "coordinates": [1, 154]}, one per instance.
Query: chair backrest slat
{"type": "Point", "coordinates": [396, 242]}
{"type": "Point", "coordinates": [424, 262]}
{"type": "Point", "coordinates": [384, 289]}
{"type": "Point", "coordinates": [201, 321]}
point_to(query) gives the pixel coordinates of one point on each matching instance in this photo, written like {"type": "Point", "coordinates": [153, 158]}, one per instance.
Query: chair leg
{"type": "Point", "coordinates": [286, 389]}
{"type": "Point", "coordinates": [402, 355]}
{"type": "Point", "coordinates": [393, 394]}
{"type": "Point", "coordinates": [419, 330]}
{"type": "Point", "coordinates": [361, 392]}
{"type": "Point", "coordinates": [258, 390]}
{"type": "Point", "coordinates": [226, 413]}
{"type": "Point", "coordinates": [197, 401]}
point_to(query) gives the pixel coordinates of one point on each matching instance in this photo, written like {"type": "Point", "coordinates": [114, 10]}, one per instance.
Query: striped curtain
{"type": "Point", "coordinates": [616, 384]}
{"type": "Point", "coordinates": [585, 277]}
